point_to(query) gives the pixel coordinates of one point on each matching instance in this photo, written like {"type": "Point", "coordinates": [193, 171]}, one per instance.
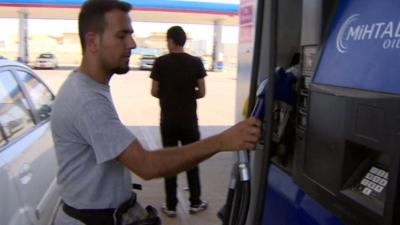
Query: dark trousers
{"type": "Point", "coordinates": [171, 135]}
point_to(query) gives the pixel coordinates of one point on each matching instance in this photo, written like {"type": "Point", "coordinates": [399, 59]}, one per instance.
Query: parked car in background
{"type": "Point", "coordinates": [28, 166]}
{"type": "Point", "coordinates": [147, 62]}
{"type": "Point", "coordinates": [46, 61]}
{"type": "Point", "coordinates": [143, 58]}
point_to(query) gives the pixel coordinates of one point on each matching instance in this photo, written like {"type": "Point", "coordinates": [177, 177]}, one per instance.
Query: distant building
{"type": "Point", "coordinates": [66, 46]}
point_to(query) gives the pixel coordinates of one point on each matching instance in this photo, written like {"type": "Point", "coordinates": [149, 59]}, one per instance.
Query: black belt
{"type": "Point", "coordinates": [106, 216]}
{"type": "Point", "coordinates": [91, 216]}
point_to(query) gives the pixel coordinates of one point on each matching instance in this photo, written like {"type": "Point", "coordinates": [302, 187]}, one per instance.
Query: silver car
{"type": "Point", "coordinates": [46, 61]}
{"type": "Point", "coordinates": [28, 166]}
{"type": "Point", "coordinates": [147, 61]}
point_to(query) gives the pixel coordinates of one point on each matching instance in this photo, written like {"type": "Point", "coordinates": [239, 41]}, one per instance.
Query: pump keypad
{"type": "Point", "coordinates": [374, 182]}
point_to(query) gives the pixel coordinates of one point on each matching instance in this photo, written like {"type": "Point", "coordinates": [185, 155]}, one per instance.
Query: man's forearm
{"type": "Point", "coordinates": [171, 161]}
{"type": "Point", "coordinates": [155, 94]}
{"type": "Point", "coordinates": [155, 89]}
{"type": "Point", "coordinates": [199, 94]}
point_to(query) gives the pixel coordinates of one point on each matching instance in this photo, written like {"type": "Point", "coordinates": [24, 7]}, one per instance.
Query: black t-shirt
{"type": "Point", "coordinates": [177, 75]}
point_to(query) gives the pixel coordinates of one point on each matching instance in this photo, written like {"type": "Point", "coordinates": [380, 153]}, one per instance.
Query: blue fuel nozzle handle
{"type": "Point", "coordinates": [258, 110]}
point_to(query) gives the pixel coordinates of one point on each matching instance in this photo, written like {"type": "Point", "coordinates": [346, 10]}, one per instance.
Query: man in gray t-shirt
{"type": "Point", "coordinates": [89, 137]}
{"type": "Point", "coordinates": [95, 151]}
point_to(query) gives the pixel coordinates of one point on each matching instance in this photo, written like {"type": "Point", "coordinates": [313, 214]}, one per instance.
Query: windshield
{"type": "Point", "coordinates": [149, 57]}
{"type": "Point", "coordinates": [46, 56]}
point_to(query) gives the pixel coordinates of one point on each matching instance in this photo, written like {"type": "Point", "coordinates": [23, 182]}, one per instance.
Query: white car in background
{"type": "Point", "coordinates": [46, 61]}
{"type": "Point", "coordinates": [28, 166]}
{"type": "Point", "coordinates": [147, 62]}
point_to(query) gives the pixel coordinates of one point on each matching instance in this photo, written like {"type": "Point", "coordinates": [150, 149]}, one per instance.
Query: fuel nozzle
{"type": "Point", "coordinates": [258, 112]}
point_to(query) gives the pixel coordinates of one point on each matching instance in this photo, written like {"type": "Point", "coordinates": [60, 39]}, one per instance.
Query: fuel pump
{"type": "Point", "coordinates": [344, 163]}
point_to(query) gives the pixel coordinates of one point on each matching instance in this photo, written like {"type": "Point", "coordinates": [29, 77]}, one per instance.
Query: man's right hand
{"type": "Point", "coordinates": [243, 135]}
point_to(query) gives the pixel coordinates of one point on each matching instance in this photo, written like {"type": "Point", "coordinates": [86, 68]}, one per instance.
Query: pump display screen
{"type": "Point", "coordinates": [363, 48]}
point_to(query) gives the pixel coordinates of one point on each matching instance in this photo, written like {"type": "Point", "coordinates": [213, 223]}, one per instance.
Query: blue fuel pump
{"type": "Point", "coordinates": [340, 163]}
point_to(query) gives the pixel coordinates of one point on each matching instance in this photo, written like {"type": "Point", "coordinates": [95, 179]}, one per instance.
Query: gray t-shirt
{"type": "Point", "coordinates": [88, 137]}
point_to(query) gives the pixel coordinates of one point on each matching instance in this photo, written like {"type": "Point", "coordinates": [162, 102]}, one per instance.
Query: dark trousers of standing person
{"type": "Point", "coordinates": [170, 136]}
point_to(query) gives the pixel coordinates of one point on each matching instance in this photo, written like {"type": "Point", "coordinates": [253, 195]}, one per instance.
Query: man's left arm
{"type": "Point", "coordinates": [154, 75]}
{"type": "Point", "coordinates": [155, 89]}
{"type": "Point", "coordinates": [200, 84]}
{"type": "Point", "coordinates": [200, 88]}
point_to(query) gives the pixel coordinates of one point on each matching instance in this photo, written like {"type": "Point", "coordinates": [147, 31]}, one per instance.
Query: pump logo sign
{"type": "Point", "coordinates": [384, 33]}
{"type": "Point", "coordinates": [363, 47]}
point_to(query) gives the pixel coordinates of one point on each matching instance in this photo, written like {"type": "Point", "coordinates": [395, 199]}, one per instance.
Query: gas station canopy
{"type": "Point", "coordinates": [169, 11]}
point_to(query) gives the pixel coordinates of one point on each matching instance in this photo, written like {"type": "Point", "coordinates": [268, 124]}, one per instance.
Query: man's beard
{"type": "Point", "coordinates": [120, 70]}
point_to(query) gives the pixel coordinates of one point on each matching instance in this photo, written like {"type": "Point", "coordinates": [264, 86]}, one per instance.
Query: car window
{"type": "Point", "coordinates": [149, 57]}
{"type": "Point", "coordinates": [40, 95]}
{"type": "Point", "coordinates": [15, 117]}
{"type": "Point", "coordinates": [46, 56]}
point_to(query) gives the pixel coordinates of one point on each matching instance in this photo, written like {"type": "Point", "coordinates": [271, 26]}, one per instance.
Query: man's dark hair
{"type": "Point", "coordinates": [91, 17]}
{"type": "Point", "coordinates": [177, 34]}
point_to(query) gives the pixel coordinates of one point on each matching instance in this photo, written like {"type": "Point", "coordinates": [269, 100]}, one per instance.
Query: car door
{"type": "Point", "coordinates": [12, 109]}
{"type": "Point", "coordinates": [34, 169]}
{"type": "Point", "coordinates": [45, 167]}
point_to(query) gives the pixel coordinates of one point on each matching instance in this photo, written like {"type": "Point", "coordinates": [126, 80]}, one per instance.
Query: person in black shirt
{"type": "Point", "coordinates": [178, 80]}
